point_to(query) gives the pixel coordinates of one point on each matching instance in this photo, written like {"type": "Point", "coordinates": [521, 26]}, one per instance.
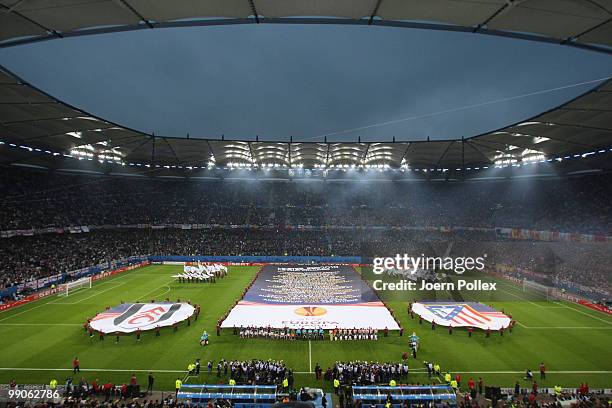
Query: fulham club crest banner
{"type": "Point", "coordinates": [129, 317]}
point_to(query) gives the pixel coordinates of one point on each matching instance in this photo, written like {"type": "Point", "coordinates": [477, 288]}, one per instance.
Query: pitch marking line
{"type": "Point", "coordinates": [111, 279]}
{"type": "Point", "coordinates": [511, 286]}
{"type": "Point", "coordinates": [563, 306]}
{"type": "Point", "coordinates": [165, 285]}
{"type": "Point", "coordinates": [588, 314]}
{"type": "Point", "coordinates": [565, 327]}
{"type": "Point", "coordinates": [127, 274]}
{"type": "Point", "coordinates": [525, 300]}
{"type": "Point", "coordinates": [88, 297]}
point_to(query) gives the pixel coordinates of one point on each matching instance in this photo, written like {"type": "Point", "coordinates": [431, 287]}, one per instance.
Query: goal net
{"type": "Point", "coordinates": [82, 283]}
{"type": "Point", "coordinates": [537, 289]}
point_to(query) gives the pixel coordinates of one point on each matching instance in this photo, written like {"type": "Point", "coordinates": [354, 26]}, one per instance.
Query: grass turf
{"type": "Point", "coordinates": [39, 340]}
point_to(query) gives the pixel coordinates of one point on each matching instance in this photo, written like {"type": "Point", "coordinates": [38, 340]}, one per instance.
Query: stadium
{"type": "Point", "coordinates": [259, 203]}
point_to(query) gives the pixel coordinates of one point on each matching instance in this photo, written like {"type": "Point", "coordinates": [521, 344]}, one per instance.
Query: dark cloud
{"type": "Point", "coordinates": [305, 81]}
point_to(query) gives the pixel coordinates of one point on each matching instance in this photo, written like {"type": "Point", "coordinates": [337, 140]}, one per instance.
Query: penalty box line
{"type": "Point", "coordinates": [48, 300]}
{"type": "Point", "coordinates": [564, 327]}
{"type": "Point", "coordinates": [562, 305]}
{"type": "Point", "coordinates": [55, 302]}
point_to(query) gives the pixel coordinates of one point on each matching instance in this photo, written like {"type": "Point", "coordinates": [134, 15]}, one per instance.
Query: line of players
{"type": "Point", "coordinates": [307, 334]}
{"type": "Point", "coordinates": [200, 272]}
{"type": "Point", "coordinates": [281, 334]}
{"type": "Point", "coordinates": [353, 334]}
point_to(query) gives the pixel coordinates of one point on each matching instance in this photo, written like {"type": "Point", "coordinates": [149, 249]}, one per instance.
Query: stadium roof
{"type": "Point", "coordinates": [580, 23]}
{"type": "Point", "coordinates": [46, 128]}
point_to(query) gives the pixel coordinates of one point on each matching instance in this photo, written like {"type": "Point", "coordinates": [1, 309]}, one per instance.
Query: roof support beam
{"type": "Point", "coordinates": [253, 158]}
{"type": "Point", "coordinates": [472, 144]}
{"type": "Point", "coordinates": [254, 10]}
{"type": "Point", "coordinates": [136, 13]}
{"type": "Point", "coordinates": [443, 154]}
{"type": "Point", "coordinates": [30, 103]}
{"type": "Point", "coordinates": [491, 17]}
{"type": "Point", "coordinates": [374, 12]}
{"type": "Point", "coordinates": [588, 30]}
{"type": "Point", "coordinates": [178, 162]}
{"type": "Point", "coordinates": [17, 122]}
{"type": "Point", "coordinates": [210, 148]}
{"type": "Point", "coordinates": [405, 152]}
{"type": "Point", "coordinates": [582, 126]}
{"type": "Point", "coordinates": [5, 9]}
{"type": "Point", "coordinates": [365, 154]}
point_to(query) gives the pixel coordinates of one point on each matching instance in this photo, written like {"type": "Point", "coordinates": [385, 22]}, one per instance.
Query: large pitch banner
{"type": "Point", "coordinates": [307, 296]}
{"type": "Point", "coordinates": [462, 314]}
{"type": "Point", "coordinates": [129, 317]}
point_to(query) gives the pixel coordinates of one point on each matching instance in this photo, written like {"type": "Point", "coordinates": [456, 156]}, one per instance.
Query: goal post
{"type": "Point", "coordinates": [83, 283]}
{"type": "Point", "coordinates": [534, 287]}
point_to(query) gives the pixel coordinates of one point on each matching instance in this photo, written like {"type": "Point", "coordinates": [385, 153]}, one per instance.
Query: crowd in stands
{"type": "Point", "coordinates": [39, 199]}
{"type": "Point", "coordinates": [576, 266]}
{"type": "Point", "coordinates": [271, 212]}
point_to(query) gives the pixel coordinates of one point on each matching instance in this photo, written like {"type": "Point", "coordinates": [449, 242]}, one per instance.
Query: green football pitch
{"type": "Point", "coordinates": [39, 340]}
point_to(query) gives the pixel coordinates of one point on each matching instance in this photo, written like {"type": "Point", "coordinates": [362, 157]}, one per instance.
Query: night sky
{"type": "Point", "coordinates": [278, 81]}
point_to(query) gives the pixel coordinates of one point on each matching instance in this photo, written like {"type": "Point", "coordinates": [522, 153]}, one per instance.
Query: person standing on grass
{"type": "Point", "coordinates": [480, 385]}
{"type": "Point", "coordinates": [471, 384]}
{"type": "Point", "coordinates": [177, 386]}
{"type": "Point", "coordinates": [542, 371]}
{"type": "Point", "coordinates": [517, 388]}
{"type": "Point", "coordinates": [76, 365]}
{"type": "Point", "coordinates": [151, 381]}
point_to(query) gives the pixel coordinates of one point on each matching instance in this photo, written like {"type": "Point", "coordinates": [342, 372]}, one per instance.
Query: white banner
{"type": "Point", "coordinates": [361, 316]}
{"type": "Point", "coordinates": [129, 317]}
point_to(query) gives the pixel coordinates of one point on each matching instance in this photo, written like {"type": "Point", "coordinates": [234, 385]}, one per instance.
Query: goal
{"type": "Point", "coordinates": [537, 289]}
{"type": "Point", "coordinates": [82, 283]}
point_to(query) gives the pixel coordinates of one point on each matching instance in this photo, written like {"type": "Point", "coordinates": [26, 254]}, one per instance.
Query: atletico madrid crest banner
{"type": "Point", "coordinates": [461, 314]}
{"type": "Point", "coordinates": [130, 317]}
